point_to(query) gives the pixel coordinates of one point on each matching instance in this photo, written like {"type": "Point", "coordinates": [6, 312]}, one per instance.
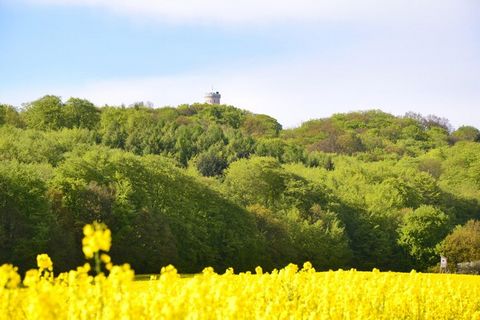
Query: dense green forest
{"type": "Point", "coordinates": [213, 185]}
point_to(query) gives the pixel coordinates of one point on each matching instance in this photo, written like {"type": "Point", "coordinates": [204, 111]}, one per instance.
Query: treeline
{"type": "Point", "coordinates": [200, 185]}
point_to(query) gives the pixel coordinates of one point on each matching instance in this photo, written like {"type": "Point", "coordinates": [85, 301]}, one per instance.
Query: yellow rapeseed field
{"type": "Point", "coordinates": [290, 293]}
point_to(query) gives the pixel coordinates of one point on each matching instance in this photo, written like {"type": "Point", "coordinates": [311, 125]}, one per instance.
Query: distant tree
{"type": "Point", "coordinates": [259, 180]}
{"type": "Point", "coordinates": [430, 121]}
{"type": "Point", "coordinates": [293, 153]}
{"type": "Point", "coordinates": [210, 164]}
{"type": "Point", "coordinates": [3, 109]}
{"type": "Point", "coordinates": [10, 116]}
{"type": "Point", "coordinates": [346, 143]}
{"type": "Point", "coordinates": [278, 243]}
{"type": "Point", "coordinates": [239, 145]}
{"type": "Point", "coordinates": [212, 135]}
{"type": "Point", "coordinates": [45, 113]}
{"type": "Point", "coordinates": [435, 121]}
{"type": "Point", "coordinates": [141, 104]}
{"type": "Point", "coordinates": [323, 242]}
{"type": "Point", "coordinates": [187, 110]}
{"type": "Point", "coordinates": [271, 147]}
{"type": "Point", "coordinates": [80, 113]}
{"type": "Point", "coordinates": [438, 136]}
{"type": "Point", "coordinates": [414, 132]}
{"type": "Point", "coordinates": [461, 170]}
{"type": "Point", "coordinates": [260, 125]}
{"type": "Point", "coordinates": [143, 131]}
{"type": "Point", "coordinates": [463, 244]}
{"type": "Point", "coordinates": [422, 230]}
{"type": "Point", "coordinates": [113, 127]}
{"type": "Point", "coordinates": [414, 116]}
{"type": "Point", "coordinates": [349, 143]}
{"type": "Point", "coordinates": [432, 166]}
{"type": "Point", "coordinates": [466, 133]}
{"type": "Point", "coordinates": [222, 114]}
{"type": "Point", "coordinates": [25, 218]}
{"type": "Point", "coordinates": [186, 137]}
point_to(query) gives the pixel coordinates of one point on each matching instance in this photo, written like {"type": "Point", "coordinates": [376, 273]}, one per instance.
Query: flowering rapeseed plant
{"type": "Point", "coordinates": [44, 262]}
{"type": "Point", "coordinates": [96, 237]}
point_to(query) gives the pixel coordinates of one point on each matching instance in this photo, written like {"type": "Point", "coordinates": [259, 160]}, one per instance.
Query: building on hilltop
{"type": "Point", "coordinates": [213, 98]}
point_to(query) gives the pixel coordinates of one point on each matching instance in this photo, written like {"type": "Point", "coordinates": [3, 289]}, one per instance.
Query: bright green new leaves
{"type": "Point", "coordinates": [257, 180]}
{"type": "Point", "coordinates": [202, 185]}
{"type": "Point", "coordinates": [158, 215]}
{"type": "Point", "coordinates": [45, 114]}
{"type": "Point", "coordinates": [421, 231]}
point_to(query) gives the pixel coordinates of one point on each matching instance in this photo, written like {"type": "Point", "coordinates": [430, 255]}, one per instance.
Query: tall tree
{"type": "Point", "coordinates": [81, 113]}
{"type": "Point", "coordinates": [45, 113]}
{"type": "Point", "coordinates": [422, 230]}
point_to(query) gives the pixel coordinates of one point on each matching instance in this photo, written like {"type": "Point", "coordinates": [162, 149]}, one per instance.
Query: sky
{"type": "Point", "coordinates": [293, 60]}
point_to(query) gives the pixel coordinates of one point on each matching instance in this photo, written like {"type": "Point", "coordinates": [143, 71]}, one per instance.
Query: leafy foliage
{"type": "Point", "coordinates": [202, 185]}
{"type": "Point", "coordinates": [421, 231]}
{"type": "Point", "coordinates": [26, 220]}
{"type": "Point", "coordinates": [463, 244]}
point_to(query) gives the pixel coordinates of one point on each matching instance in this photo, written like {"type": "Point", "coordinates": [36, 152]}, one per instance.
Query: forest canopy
{"type": "Point", "coordinates": [213, 185]}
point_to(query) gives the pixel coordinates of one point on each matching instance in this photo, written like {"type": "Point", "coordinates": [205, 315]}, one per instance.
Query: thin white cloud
{"type": "Point", "coordinates": [226, 12]}
{"type": "Point", "coordinates": [424, 67]}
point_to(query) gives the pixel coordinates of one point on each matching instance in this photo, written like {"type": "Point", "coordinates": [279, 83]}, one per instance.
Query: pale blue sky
{"type": "Point", "coordinates": [294, 60]}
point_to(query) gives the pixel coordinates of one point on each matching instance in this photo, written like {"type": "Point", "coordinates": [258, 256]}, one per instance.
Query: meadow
{"type": "Point", "coordinates": [288, 293]}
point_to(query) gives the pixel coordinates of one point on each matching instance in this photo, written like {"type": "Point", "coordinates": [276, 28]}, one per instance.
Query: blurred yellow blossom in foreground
{"type": "Point", "coordinates": [96, 237]}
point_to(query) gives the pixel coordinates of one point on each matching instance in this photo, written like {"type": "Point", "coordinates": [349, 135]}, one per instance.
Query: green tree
{"type": "Point", "coordinates": [210, 164]}
{"type": "Point", "coordinates": [271, 148]}
{"type": "Point", "coordinates": [213, 135]}
{"type": "Point", "coordinates": [25, 218]}
{"type": "Point", "coordinates": [260, 125]}
{"type": "Point", "coordinates": [319, 159]}
{"type": "Point", "coordinates": [113, 127]}
{"type": "Point", "coordinates": [81, 113]}
{"type": "Point", "coordinates": [466, 133]}
{"type": "Point", "coordinates": [461, 170]}
{"type": "Point", "coordinates": [45, 113]}
{"type": "Point", "coordinates": [421, 231]}
{"type": "Point", "coordinates": [239, 145]}
{"type": "Point", "coordinates": [323, 242]}
{"type": "Point", "coordinates": [10, 116]}
{"type": "Point", "coordinates": [463, 244]}
{"type": "Point", "coordinates": [34, 146]}
{"type": "Point", "coordinates": [258, 180]}
{"type": "Point", "coordinates": [279, 247]}
{"type": "Point", "coordinates": [221, 114]}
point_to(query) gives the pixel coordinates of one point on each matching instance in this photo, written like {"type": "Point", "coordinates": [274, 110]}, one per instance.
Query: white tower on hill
{"type": "Point", "coordinates": [213, 98]}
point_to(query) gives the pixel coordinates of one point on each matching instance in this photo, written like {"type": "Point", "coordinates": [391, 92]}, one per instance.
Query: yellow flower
{"type": "Point", "coordinates": [31, 278]}
{"type": "Point", "coordinates": [105, 258]}
{"type": "Point", "coordinates": [96, 237]}
{"type": "Point", "coordinates": [258, 270]}
{"type": "Point", "coordinates": [87, 250]}
{"type": "Point", "coordinates": [9, 277]}
{"type": "Point", "coordinates": [44, 262]}
{"type": "Point", "coordinates": [307, 266]}
{"type": "Point", "coordinates": [88, 230]}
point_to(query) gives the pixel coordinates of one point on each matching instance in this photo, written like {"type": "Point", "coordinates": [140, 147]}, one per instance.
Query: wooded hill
{"type": "Point", "coordinates": [212, 185]}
